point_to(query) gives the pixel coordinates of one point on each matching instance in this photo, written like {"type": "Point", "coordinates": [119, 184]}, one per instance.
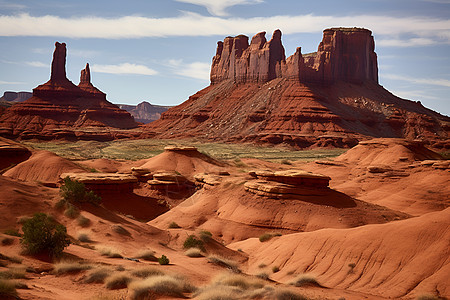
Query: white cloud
{"type": "Point", "coordinates": [425, 31]}
{"type": "Point", "coordinates": [414, 42]}
{"type": "Point", "coordinates": [37, 64]}
{"type": "Point", "coordinates": [218, 7]}
{"type": "Point", "coordinates": [124, 68]}
{"type": "Point", "coordinates": [197, 70]}
{"type": "Point", "coordinates": [11, 82]}
{"type": "Point", "coordinates": [427, 81]}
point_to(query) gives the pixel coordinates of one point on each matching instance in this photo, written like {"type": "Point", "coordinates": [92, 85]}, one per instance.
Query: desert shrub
{"type": "Point", "coordinates": [110, 252]}
{"type": "Point", "coordinates": [219, 293]}
{"type": "Point", "coordinates": [75, 192]}
{"type": "Point", "coordinates": [427, 297]}
{"type": "Point", "coordinates": [205, 235]}
{"type": "Point", "coordinates": [194, 252]}
{"type": "Point", "coordinates": [262, 265]}
{"type": "Point", "coordinates": [163, 260]}
{"type": "Point", "coordinates": [174, 225]}
{"type": "Point", "coordinates": [305, 279]}
{"type": "Point", "coordinates": [71, 211]}
{"type": "Point", "coordinates": [12, 232]}
{"type": "Point", "coordinates": [162, 285]}
{"type": "Point", "coordinates": [263, 275]}
{"type": "Point", "coordinates": [224, 262]}
{"type": "Point", "coordinates": [97, 275]}
{"type": "Point", "coordinates": [288, 295]}
{"type": "Point", "coordinates": [42, 234]}
{"type": "Point", "coordinates": [265, 237]}
{"type": "Point", "coordinates": [147, 272]}
{"type": "Point", "coordinates": [62, 268]}
{"type": "Point", "coordinates": [13, 273]}
{"type": "Point", "coordinates": [7, 289]}
{"type": "Point", "coordinates": [193, 242]}
{"type": "Point", "coordinates": [117, 281]}
{"type": "Point", "coordinates": [83, 221]}
{"type": "Point", "coordinates": [241, 281]}
{"type": "Point", "coordinates": [147, 255]}
{"type": "Point", "coordinates": [84, 237]}
{"type": "Point", "coordinates": [275, 269]}
{"type": "Point", "coordinates": [120, 230]}
{"type": "Point", "coordinates": [6, 241]}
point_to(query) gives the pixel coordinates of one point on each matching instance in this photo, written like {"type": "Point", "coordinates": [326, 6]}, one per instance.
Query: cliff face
{"type": "Point", "coordinates": [327, 98]}
{"type": "Point", "coordinates": [345, 54]}
{"type": "Point", "coordinates": [60, 109]}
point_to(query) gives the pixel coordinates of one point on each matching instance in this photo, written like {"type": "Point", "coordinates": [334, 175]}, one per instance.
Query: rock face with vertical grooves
{"type": "Point", "coordinates": [60, 109]}
{"type": "Point", "coordinates": [327, 98]}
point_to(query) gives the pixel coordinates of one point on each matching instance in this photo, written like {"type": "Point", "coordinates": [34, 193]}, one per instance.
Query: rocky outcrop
{"type": "Point", "coordinates": [330, 98]}
{"type": "Point", "coordinates": [345, 54]}
{"type": "Point", "coordinates": [60, 109]}
{"type": "Point", "coordinates": [287, 184]}
{"type": "Point", "coordinates": [11, 153]}
{"type": "Point", "coordinates": [15, 96]}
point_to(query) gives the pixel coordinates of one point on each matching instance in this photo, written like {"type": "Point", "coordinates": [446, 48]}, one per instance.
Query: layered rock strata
{"type": "Point", "coordinates": [60, 109]}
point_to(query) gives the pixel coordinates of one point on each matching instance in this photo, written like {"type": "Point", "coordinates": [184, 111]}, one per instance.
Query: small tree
{"type": "Point", "coordinates": [41, 234]}
{"type": "Point", "coordinates": [163, 260]}
{"type": "Point", "coordinates": [193, 242]}
{"type": "Point", "coordinates": [75, 192]}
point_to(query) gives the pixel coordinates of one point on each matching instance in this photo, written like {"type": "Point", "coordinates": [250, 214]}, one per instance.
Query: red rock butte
{"type": "Point", "coordinates": [327, 98]}
{"type": "Point", "coordinates": [60, 109]}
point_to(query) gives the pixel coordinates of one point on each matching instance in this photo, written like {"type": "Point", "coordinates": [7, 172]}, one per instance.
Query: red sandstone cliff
{"type": "Point", "coordinates": [328, 98]}
{"type": "Point", "coordinates": [60, 109]}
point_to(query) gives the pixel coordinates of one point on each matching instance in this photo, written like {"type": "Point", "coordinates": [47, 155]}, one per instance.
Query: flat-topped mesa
{"type": "Point", "coordinates": [345, 54]}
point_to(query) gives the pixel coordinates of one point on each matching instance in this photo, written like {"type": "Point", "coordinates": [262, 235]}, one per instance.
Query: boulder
{"type": "Point", "coordinates": [105, 183]}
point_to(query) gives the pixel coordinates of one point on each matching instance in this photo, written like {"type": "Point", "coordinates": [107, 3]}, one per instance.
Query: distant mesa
{"type": "Point", "coordinates": [329, 98]}
{"type": "Point", "coordinates": [15, 96]}
{"type": "Point", "coordinates": [144, 112]}
{"type": "Point", "coordinates": [60, 109]}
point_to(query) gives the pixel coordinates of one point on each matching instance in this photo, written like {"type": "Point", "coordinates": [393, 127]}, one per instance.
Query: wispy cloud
{"type": "Point", "coordinates": [197, 70]}
{"type": "Point", "coordinates": [124, 68]}
{"type": "Point", "coordinates": [11, 82]}
{"type": "Point", "coordinates": [218, 7]}
{"type": "Point", "coordinates": [423, 30]}
{"type": "Point", "coordinates": [427, 81]}
{"type": "Point", "coordinates": [414, 94]}
{"type": "Point", "coordinates": [414, 42]}
{"type": "Point", "coordinates": [12, 6]}
{"type": "Point", "coordinates": [37, 64]}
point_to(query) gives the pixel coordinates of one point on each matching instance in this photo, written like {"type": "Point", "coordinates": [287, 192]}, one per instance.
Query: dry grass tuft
{"type": "Point", "coordinates": [120, 230]}
{"type": "Point", "coordinates": [97, 275]}
{"type": "Point", "coordinates": [287, 295]}
{"type": "Point", "coordinates": [161, 285]}
{"type": "Point", "coordinates": [110, 252]}
{"type": "Point", "coordinates": [146, 255]}
{"type": "Point", "coordinates": [7, 289]}
{"type": "Point", "coordinates": [305, 279]}
{"type": "Point", "coordinates": [147, 272]}
{"type": "Point", "coordinates": [117, 281]}
{"type": "Point", "coordinates": [84, 237]}
{"type": "Point", "coordinates": [224, 262]}
{"type": "Point", "coordinates": [241, 281]}
{"type": "Point", "coordinates": [70, 268]}
{"type": "Point", "coordinates": [18, 272]}
{"type": "Point", "coordinates": [194, 252]}
{"type": "Point", "coordinates": [83, 221]}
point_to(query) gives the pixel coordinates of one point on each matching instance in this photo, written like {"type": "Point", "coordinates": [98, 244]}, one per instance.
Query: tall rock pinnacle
{"type": "Point", "coordinates": [85, 76]}
{"type": "Point", "coordinates": [59, 63]}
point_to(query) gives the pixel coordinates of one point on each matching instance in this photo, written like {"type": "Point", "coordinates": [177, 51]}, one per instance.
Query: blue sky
{"type": "Point", "coordinates": [160, 50]}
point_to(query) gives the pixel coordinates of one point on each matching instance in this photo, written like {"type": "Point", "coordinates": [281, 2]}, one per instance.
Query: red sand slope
{"type": "Point", "coordinates": [397, 259]}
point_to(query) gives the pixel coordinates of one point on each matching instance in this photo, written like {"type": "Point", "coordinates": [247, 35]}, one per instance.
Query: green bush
{"type": "Point", "coordinates": [193, 242]}
{"type": "Point", "coordinates": [205, 235]}
{"type": "Point", "coordinates": [41, 234]}
{"type": "Point", "coordinates": [12, 232]}
{"type": "Point", "coordinates": [163, 260]}
{"type": "Point", "coordinates": [75, 192]}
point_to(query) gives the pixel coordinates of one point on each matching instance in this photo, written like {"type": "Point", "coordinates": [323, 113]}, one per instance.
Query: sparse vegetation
{"type": "Point", "coordinates": [267, 236]}
{"type": "Point", "coordinates": [305, 279]}
{"type": "Point", "coordinates": [164, 285]}
{"type": "Point", "coordinates": [163, 260]}
{"type": "Point", "coordinates": [262, 265]}
{"type": "Point", "coordinates": [13, 273]}
{"type": "Point", "coordinates": [62, 268]}
{"type": "Point", "coordinates": [97, 275]}
{"type": "Point", "coordinates": [288, 295]}
{"type": "Point", "coordinates": [427, 297]}
{"type": "Point", "coordinates": [275, 269]}
{"type": "Point", "coordinates": [352, 267]}
{"type": "Point", "coordinates": [193, 242]}
{"type": "Point", "coordinates": [110, 252]}
{"type": "Point", "coordinates": [205, 235]}
{"type": "Point", "coordinates": [71, 211]}
{"type": "Point", "coordinates": [194, 252]}
{"type": "Point", "coordinates": [83, 221]}
{"type": "Point", "coordinates": [75, 192]}
{"type": "Point", "coordinates": [84, 237]}
{"type": "Point", "coordinates": [147, 272]}
{"type": "Point", "coordinates": [147, 255]}
{"type": "Point", "coordinates": [6, 241]}
{"type": "Point", "coordinates": [224, 262]}
{"type": "Point", "coordinates": [263, 275]}
{"type": "Point", "coordinates": [41, 234]}
{"type": "Point", "coordinates": [7, 289]}
{"type": "Point", "coordinates": [173, 225]}
{"type": "Point", "coordinates": [119, 229]}
{"type": "Point", "coordinates": [117, 281]}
